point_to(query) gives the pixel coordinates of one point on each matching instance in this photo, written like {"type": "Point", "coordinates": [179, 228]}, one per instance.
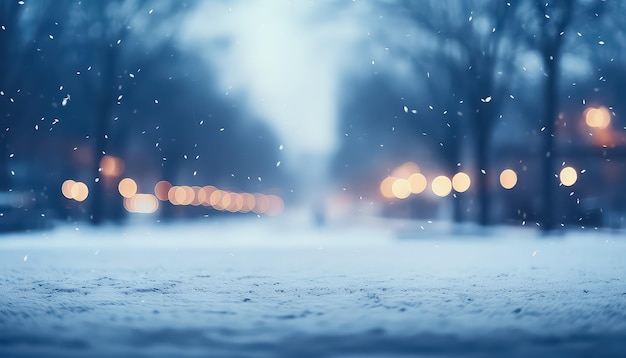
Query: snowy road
{"type": "Point", "coordinates": [248, 289]}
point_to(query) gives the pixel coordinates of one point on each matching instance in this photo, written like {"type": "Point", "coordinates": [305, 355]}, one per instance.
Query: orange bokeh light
{"type": "Point", "coordinates": [598, 117]}
{"type": "Point", "coordinates": [418, 183]}
{"type": "Point", "coordinates": [401, 188]}
{"type": "Point", "coordinates": [262, 203]}
{"type": "Point", "coordinates": [508, 178]}
{"type": "Point", "coordinates": [276, 205]}
{"type": "Point", "coordinates": [461, 182]}
{"type": "Point", "coordinates": [568, 176]}
{"type": "Point", "coordinates": [141, 203]}
{"type": "Point", "coordinates": [127, 187]}
{"type": "Point", "coordinates": [66, 188]}
{"type": "Point", "coordinates": [111, 166]}
{"type": "Point", "coordinates": [161, 190]}
{"type": "Point", "coordinates": [405, 170]}
{"type": "Point", "coordinates": [385, 187]}
{"type": "Point", "coordinates": [197, 197]}
{"type": "Point", "coordinates": [441, 186]}
{"type": "Point", "coordinates": [79, 191]}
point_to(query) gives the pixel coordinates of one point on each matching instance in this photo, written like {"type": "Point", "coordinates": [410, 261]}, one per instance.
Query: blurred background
{"type": "Point", "coordinates": [477, 112]}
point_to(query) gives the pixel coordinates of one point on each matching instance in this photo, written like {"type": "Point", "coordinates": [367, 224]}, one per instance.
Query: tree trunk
{"type": "Point", "coordinates": [547, 153]}
{"type": "Point", "coordinates": [454, 148]}
{"type": "Point", "coordinates": [105, 100]}
{"type": "Point", "coordinates": [8, 18]}
{"type": "Point", "coordinates": [482, 179]}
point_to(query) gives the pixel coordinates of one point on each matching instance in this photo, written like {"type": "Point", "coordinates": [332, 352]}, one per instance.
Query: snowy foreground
{"type": "Point", "coordinates": [262, 288]}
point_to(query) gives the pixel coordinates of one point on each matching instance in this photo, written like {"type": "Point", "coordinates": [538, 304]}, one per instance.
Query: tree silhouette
{"type": "Point", "coordinates": [473, 44]}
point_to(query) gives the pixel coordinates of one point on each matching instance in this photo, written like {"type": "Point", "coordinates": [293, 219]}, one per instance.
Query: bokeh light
{"type": "Point", "coordinates": [598, 117]}
{"type": "Point", "coordinates": [248, 202]}
{"type": "Point", "coordinates": [197, 197]}
{"type": "Point", "coordinates": [141, 203]}
{"type": "Point", "coordinates": [205, 194]}
{"type": "Point", "coordinates": [209, 196]}
{"type": "Point", "coordinates": [418, 183]}
{"type": "Point", "coordinates": [79, 191]}
{"type": "Point", "coordinates": [461, 182]}
{"type": "Point", "coordinates": [405, 170]}
{"type": "Point", "coordinates": [226, 201]}
{"type": "Point", "coordinates": [508, 178]}
{"type": "Point", "coordinates": [111, 166]}
{"type": "Point", "coordinates": [441, 186]}
{"type": "Point", "coordinates": [66, 188]}
{"type": "Point", "coordinates": [568, 176]}
{"type": "Point", "coordinates": [262, 203]}
{"type": "Point", "coordinates": [215, 199]}
{"type": "Point", "coordinates": [386, 187]}
{"type": "Point", "coordinates": [276, 205]}
{"type": "Point", "coordinates": [75, 190]}
{"type": "Point", "coordinates": [161, 190]}
{"type": "Point", "coordinates": [401, 188]}
{"type": "Point", "coordinates": [127, 187]}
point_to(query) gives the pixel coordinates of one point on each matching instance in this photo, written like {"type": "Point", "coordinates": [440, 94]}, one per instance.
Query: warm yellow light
{"type": "Point", "coordinates": [161, 190]}
{"type": "Point", "coordinates": [180, 195]}
{"type": "Point", "coordinates": [248, 202]}
{"type": "Point", "coordinates": [197, 197]}
{"type": "Point", "coordinates": [236, 202]}
{"type": "Point", "coordinates": [128, 205]}
{"type": "Point", "coordinates": [215, 199]}
{"type": "Point", "coordinates": [598, 117]}
{"type": "Point", "coordinates": [441, 186]}
{"type": "Point", "coordinates": [226, 201]}
{"type": "Point", "coordinates": [145, 203]}
{"type": "Point", "coordinates": [79, 191]}
{"type": "Point", "coordinates": [418, 183]}
{"type": "Point", "coordinates": [262, 203]}
{"type": "Point", "coordinates": [461, 182]}
{"type": "Point", "coordinates": [111, 166]}
{"type": "Point", "coordinates": [171, 195]}
{"type": "Point", "coordinates": [276, 205]}
{"type": "Point", "coordinates": [201, 196]}
{"type": "Point", "coordinates": [127, 187]}
{"type": "Point", "coordinates": [66, 188]}
{"type": "Point", "coordinates": [205, 194]}
{"type": "Point", "coordinates": [405, 170]}
{"type": "Point", "coordinates": [401, 188]}
{"type": "Point", "coordinates": [385, 187]}
{"type": "Point", "coordinates": [185, 195]}
{"type": "Point", "coordinates": [568, 176]}
{"type": "Point", "coordinates": [141, 203]}
{"type": "Point", "coordinates": [508, 178]}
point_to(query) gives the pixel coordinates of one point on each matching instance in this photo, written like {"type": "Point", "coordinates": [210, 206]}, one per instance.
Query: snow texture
{"type": "Point", "coordinates": [270, 288]}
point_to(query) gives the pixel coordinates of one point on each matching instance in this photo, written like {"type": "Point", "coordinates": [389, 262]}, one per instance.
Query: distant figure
{"type": "Point", "coordinates": [319, 214]}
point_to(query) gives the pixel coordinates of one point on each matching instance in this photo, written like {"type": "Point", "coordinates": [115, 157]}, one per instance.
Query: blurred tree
{"type": "Point", "coordinates": [9, 16]}
{"type": "Point", "coordinates": [546, 27]}
{"type": "Point", "coordinates": [473, 44]}
{"type": "Point", "coordinates": [112, 32]}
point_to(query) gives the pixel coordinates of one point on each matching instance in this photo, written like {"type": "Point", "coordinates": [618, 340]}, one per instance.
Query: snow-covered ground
{"type": "Point", "coordinates": [280, 288]}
